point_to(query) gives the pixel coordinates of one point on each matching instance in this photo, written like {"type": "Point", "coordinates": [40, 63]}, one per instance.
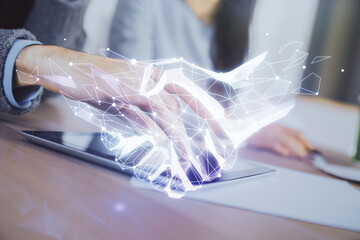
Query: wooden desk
{"type": "Point", "coordinates": [47, 195]}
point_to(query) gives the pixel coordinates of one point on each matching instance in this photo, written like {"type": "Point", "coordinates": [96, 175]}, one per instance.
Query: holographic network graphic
{"type": "Point", "coordinates": [179, 142]}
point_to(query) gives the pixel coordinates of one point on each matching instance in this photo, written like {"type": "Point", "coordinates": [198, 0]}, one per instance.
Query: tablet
{"type": "Point", "coordinates": [89, 147]}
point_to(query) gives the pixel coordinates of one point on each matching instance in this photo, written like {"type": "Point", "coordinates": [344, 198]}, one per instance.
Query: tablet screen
{"type": "Point", "coordinates": [89, 146]}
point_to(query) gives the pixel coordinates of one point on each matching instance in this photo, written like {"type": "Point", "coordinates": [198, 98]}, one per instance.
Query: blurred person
{"type": "Point", "coordinates": [213, 34]}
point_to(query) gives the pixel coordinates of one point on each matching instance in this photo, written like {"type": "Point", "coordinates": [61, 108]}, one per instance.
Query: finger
{"type": "Point", "coordinates": [173, 126]}
{"type": "Point", "coordinates": [295, 146]}
{"type": "Point", "coordinates": [281, 149]}
{"type": "Point", "coordinates": [194, 103]}
{"type": "Point", "coordinates": [142, 123]}
{"type": "Point", "coordinates": [296, 134]}
{"type": "Point", "coordinates": [198, 107]}
{"type": "Point", "coordinates": [166, 115]}
{"type": "Point", "coordinates": [165, 110]}
{"type": "Point", "coordinates": [302, 138]}
{"type": "Point", "coordinates": [134, 119]}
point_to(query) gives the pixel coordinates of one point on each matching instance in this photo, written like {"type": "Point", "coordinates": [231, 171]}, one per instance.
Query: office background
{"type": "Point", "coordinates": [337, 33]}
{"type": "Point", "coordinates": [326, 27]}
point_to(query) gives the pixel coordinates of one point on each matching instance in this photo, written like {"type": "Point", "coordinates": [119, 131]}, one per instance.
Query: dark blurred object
{"type": "Point", "coordinates": [13, 13]}
{"type": "Point", "coordinates": [357, 154]}
{"type": "Point", "coordinates": [232, 20]}
{"type": "Point", "coordinates": [337, 34]}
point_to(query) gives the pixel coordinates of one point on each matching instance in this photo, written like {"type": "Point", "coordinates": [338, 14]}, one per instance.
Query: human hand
{"type": "Point", "coordinates": [281, 140]}
{"type": "Point", "coordinates": [154, 99]}
{"type": "Point", "coordinates": [111, 85]}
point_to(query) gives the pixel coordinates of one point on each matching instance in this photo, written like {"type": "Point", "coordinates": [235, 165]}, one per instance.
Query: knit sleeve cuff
{"type": "Point", "coordinates": [7, 40]}
{"type": "Point", "coordinates": [20, 97]}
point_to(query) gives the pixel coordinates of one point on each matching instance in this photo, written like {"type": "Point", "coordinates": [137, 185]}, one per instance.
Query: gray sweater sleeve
{"type": "Point", "coordinates": [58, 22]}
{"type": "Point", "coordinates": [7, 38]}
{"type": "Point", "coordinates": [51, 21]}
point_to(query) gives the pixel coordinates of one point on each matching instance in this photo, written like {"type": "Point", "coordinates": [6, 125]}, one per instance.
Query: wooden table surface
{"type": "Point", "coordinates": [47, 195]}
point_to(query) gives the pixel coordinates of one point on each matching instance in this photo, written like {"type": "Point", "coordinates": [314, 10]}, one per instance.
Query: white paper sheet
{"type": "Point", "coordinates": [287, 193]}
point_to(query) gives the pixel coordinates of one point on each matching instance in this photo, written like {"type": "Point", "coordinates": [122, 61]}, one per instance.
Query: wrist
{"type": "Point", "coordinates": [33, 62]}
{"type": "Point", "coordinates": [28, 60]}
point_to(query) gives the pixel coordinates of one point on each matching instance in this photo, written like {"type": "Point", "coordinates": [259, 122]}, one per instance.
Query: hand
{"type": "Point", "coordinates": [111, 85]}
{"type": "Point", "coordinates": [281, 140]}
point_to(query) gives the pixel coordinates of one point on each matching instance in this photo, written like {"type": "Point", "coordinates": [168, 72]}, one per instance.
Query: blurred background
{"type": "Point", "coordinates": [326, 27]}
{"type": "Point", "coordinates": [337, 33]}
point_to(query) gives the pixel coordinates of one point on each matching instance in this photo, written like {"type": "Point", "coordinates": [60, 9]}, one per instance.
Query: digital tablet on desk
{"type": "Point", "coordinates": [89, 147]}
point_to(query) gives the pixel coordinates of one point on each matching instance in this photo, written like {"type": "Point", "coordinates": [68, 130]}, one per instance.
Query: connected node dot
{"type": "Point", "coordinates": [114, 105]}
{"type": "Point", "coordinates": [91, 114]}
{"type": "Point", "coordinates": [99, 101]}
{"type": "Point", "coordinates": [133, 61]}
{"type": "Point", "coordinates": [277, 78]}
{"type": "Point", "coordinates": [219, 175]}
{"type": "Point", "coordinates": [71, 63]}
{"type": "Point", "coordinates": [304, 67]}
{"type": "Point", "coordinates": [113, 98]}
{"type": "Point", "coordinates": [317, 93]}
{"type": "Point", "coordinates": [154, 114]}
{"type": "Point", "coordinates": [64, 39]}
{"type": "Point", "coordinates": [37, 79]}
{"type": "Point", "coordinates": [107, 49]}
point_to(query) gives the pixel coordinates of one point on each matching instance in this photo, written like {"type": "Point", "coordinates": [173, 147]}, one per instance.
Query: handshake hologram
{"type": "Point", "coordinates": [219, 112]}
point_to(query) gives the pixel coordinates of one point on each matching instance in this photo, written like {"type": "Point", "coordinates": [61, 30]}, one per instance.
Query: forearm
{"type": "Point", "coordinates": [65, 71]}
{"type": "Point", "coordinates": [39, 57]}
